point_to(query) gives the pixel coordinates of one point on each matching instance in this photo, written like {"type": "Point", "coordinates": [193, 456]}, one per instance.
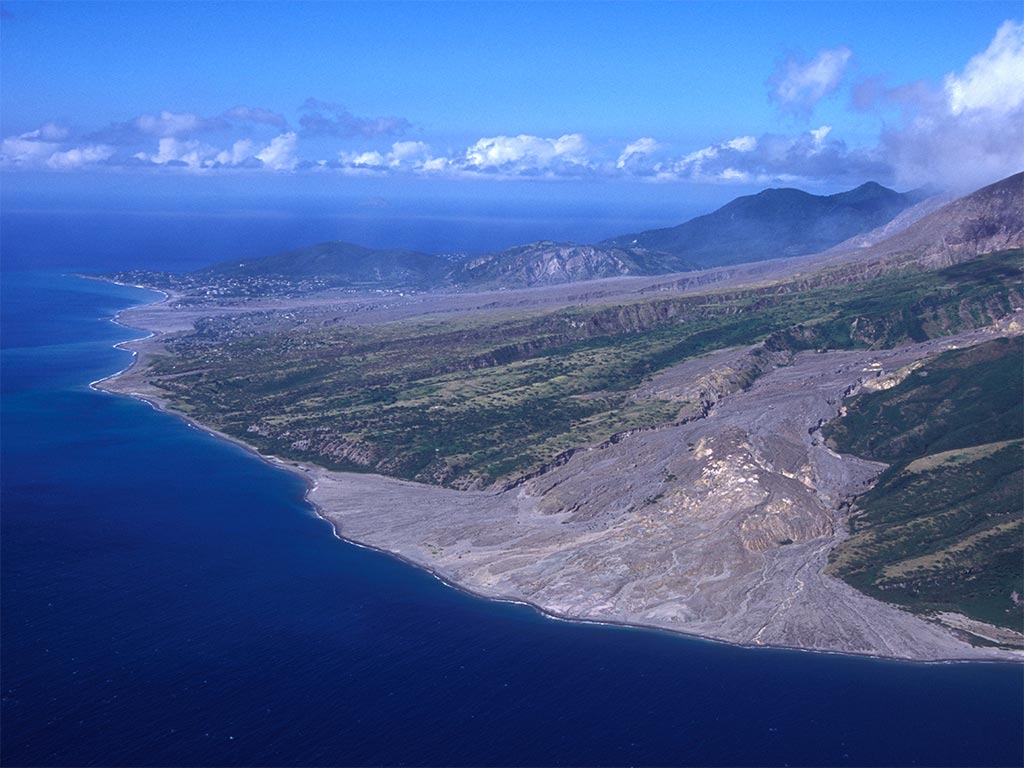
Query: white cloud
{"type": "Point", "coordinates": [697, 157]}
{"type": "Point", "coordinates": [240, 151]}
{"type": "Point", "coordinates": [707, 163]}
{"type": "Point", "coordinates": [436, 165]}
{"type": "Point", "coordinates": [772, 158]}
{"type": "Point", "coordinates": [528, 155]}
{"type": "Point", "coordinates": [42, 148]}
{"type": "Point", "coordinates": [742, 144]}
{"type": "Point", "coordinates": [280, 155]}
{"type": "Point", "coordinates": [47, 132]}
{"type": "Point", "coordinates": [405, 153]}
{"type": "Point", "coordinates": [962, 131]}
{"type": "Point", "coordinates": [79, 157]}
{"type": "Point", "coordinates": [820, 134]}
{"type": "Point", "coordinates": [32, 148]}
{"type": "Point", "coordinates": [176, 152]}
{"type": "Point", "coordinates": [741, 159]}
{"type": "Point", "coordinates": [18, 152]}
{"type": "Point", "coordinates": [731, 174]}
{"type": "Point", "coordinates": [800, 85]}
{"type": "Point", "coordinates": [405, 156]}
{"type": "Point", "coordinates": [994, 79]}
{"type": "Point", "coordinates": [636, 153]}
{"type": "Point", "coordinates": [362, 159]}
{"type": "Point", "coordinates": [496, 157]}
{"type": "Point", "coordinates": [959, 152]}
{"type": "Point", "coordinates": [969, 132]}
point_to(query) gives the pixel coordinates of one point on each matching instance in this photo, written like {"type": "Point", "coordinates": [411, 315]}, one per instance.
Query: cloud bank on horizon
{"type": "Point", "coordinates": [964, 131]}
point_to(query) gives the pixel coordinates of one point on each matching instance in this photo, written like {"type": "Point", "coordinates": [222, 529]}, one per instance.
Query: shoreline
{"type": "Point", "coordinates": [307, 472]}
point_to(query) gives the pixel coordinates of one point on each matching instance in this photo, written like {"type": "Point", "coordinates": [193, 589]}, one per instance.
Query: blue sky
{"type": "Point", "coordinates": [633, 101]}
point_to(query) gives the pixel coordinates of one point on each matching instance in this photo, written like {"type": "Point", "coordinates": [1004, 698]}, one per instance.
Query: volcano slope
{"type": "Point", "coordinates": [602, 454]}
{"type": "Point", "coordinates": [942, 529]}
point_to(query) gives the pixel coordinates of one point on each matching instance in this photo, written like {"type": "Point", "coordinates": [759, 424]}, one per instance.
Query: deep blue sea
{"type": "Point", "coordinates": [168, 599]}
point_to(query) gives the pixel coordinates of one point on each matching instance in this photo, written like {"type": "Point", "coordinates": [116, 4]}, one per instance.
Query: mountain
{"type": "Point", "coordinates": [869, 224]}
{"type": "Point", "coordinates": [895, 226]}
{"type": "Point", "coordinates": [546, 263]}
{"type": "Point", "coordinates": [772, 224]}
{"type": "Point", "coordinates": [988, 220]}
{"type": "Point", "coordinates": [339, 263]}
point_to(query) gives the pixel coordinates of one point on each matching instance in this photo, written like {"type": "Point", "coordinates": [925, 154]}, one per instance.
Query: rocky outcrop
{"type": "Point", "coordinates": [550, 263]}
{"type": "Point", "coordinates": [882, 382]}
{"type": "Point", "coordinates": [700, 383]}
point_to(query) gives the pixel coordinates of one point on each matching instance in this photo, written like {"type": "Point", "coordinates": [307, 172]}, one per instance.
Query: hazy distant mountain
{"type": "Point", "coordinates": [869, 223]}
{"type": "Point", "coordinates": [340, 264]}
{"type": "Point", "coordinates": [902, 221]}
{"type": "Point", "coordinates": [772, 224]}
{"type": "Point", "coordinates": [547, 263]}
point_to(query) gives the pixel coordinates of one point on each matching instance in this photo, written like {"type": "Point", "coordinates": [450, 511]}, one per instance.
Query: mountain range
{"type": "Point", "coordinates": [578, 401]}
{"type": "Point", "coordinates": [775, 223]}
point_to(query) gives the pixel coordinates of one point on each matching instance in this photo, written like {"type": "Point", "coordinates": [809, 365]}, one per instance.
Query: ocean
{"type": "Point", "coordinates": [169, 599]}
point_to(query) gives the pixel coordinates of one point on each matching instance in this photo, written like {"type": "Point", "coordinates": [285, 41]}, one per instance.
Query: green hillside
{"type": "Point", "coordinates": [943, 529]}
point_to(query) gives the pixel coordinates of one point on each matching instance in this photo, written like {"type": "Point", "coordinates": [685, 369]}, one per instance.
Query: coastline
{"type": "Point", "coordinates": [313, 476]}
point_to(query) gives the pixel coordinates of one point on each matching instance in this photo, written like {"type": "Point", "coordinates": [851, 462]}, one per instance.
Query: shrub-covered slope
{"type": "Point", "coordinates": [943, 529]}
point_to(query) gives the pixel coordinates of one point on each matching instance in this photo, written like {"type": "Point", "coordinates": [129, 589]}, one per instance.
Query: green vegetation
{"type": "Point", "coordinates": [943, 529]}
{"type": "Point", "coordinates": [464, 402]}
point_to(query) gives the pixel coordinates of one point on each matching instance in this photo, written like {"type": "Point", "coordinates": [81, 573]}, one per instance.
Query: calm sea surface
{"type": "Point", "coordinates": [168, 599]}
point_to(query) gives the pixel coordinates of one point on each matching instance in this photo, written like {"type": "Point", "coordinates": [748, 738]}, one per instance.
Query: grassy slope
{"type": "Point", "coordinates": [943, 529]}
{"type": "Point", "coordinates": [457, 402]}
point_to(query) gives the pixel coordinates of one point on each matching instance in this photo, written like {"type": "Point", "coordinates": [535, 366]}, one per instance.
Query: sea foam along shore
{"type": "Point", "coordinates": [316, 478]}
